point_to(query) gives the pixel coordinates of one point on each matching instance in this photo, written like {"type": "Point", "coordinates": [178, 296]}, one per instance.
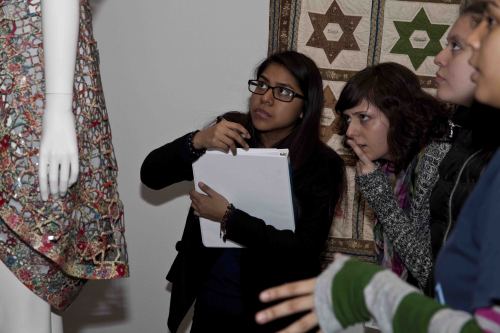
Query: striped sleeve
{"type": "Point", "coordinates": [489, 319]}
{"type": "Point", "coordinates": [351, 292]}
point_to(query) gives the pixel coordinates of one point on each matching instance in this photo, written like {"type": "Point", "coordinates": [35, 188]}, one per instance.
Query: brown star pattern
{"type": "Point", "coordinates": [330, 101]}
{"type": "Point", "coordinates": [333, 15]}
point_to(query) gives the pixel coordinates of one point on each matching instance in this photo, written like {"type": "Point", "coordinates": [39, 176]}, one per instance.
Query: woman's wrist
{"type": "Point", "coordinates": [225, 221]}
{"type": "Point", "coordinates": [196, 141]}
{"type": "Point", "coordinates": [193, 147]}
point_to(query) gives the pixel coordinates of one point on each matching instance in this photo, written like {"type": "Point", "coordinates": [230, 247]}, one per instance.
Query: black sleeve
{"type": "Point", "coordinates": [317, 201]}
{"type": "Point", "coordinates": [169, 164]}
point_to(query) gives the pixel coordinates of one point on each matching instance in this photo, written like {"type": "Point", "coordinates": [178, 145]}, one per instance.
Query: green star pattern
{"type": "Point", "coordinates": [405, 30]}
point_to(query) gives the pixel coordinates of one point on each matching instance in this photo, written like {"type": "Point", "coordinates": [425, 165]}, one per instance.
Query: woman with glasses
{"type": "Point", "coordinates": [467, 270]}
{"type": "Point", "coordinates": [284, 112]}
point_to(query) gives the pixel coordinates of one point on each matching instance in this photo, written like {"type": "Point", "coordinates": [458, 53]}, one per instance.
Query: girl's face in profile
{"type": "Point", "coordinates": [454, 84]}
{"type": "Point", "coordinates": [270, 115]}
{"type": "Point", "coordinates": [485, 42]}
{"type": "Point", "coordinates": [368, 127]}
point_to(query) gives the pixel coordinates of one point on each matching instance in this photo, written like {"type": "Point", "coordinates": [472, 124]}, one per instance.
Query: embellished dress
{"type": "Point", "coordinates": [53, 247]}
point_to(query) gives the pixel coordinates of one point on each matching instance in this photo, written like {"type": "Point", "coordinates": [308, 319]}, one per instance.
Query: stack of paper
{"type": "Point", "coordinates": [256, 181]}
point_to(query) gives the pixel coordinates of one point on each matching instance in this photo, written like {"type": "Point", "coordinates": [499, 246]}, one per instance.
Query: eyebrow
{"type": "Point", "coordinates": [285, 85]}
{"type": "Point", "coordinates": [454, 37]}
{"type": "Point", "coordinates": [357, 112]}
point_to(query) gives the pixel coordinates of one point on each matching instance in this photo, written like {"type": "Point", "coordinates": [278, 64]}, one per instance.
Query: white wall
{"type": "Point", "coordinates": [167, 67]}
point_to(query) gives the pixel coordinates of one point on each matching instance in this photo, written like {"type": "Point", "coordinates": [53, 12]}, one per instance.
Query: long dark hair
{"type": "Point", "coordinates": [415, 117]}
{"type": "Point", "coordinates": [304, 138]}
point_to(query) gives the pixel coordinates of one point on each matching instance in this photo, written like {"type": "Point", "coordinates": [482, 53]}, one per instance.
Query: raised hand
{"type": "Point", "coordinates": [302, 293]}
{"type": "Point", "coordinates": [210, 204]}
{"type": "Point", "coordinates": [364, 165]}
{"type": "Point", "coordinates": [224, 135]}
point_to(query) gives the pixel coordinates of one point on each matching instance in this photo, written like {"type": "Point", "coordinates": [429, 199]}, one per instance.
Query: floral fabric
{"type": "Point", "coordinates": [81, 234]}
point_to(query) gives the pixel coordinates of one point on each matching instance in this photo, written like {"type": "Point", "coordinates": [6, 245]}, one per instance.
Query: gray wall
{"type": "Point", "coordinates": [167, 67]}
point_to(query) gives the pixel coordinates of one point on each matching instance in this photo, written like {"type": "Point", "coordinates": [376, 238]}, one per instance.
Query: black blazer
{"type": "Point", "coordinates": [271, 257]}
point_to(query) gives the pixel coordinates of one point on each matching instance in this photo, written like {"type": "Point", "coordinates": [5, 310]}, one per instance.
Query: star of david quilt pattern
{"type": "Point", "coordinates": [343, 37]}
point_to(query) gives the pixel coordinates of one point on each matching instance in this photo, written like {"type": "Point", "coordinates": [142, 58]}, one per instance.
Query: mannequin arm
{"type": "Point", "coordinates": [58, 166]}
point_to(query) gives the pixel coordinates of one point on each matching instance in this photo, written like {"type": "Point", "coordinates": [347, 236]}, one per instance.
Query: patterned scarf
{"type": "Point", "coordinates": [402, 185]}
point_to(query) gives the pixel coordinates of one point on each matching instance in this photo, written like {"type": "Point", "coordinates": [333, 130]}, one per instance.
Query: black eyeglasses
{"type": "Point", "coordinates": [283, 94]}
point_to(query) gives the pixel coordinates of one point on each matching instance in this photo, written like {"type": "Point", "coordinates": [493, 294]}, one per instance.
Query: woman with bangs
{"type": "Point", "coordinates": [397, 131]}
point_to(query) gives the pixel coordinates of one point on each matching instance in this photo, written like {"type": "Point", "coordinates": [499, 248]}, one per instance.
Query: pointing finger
{"type": "Point", "coordinates": [359, 152]}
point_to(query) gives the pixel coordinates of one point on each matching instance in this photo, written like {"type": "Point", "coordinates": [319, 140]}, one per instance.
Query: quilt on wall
{"type": "Point", "coordinates": [343, 37]}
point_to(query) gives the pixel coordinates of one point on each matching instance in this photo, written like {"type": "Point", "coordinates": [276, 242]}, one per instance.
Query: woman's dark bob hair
{"type": "Point", "coordinates": [415, 117]}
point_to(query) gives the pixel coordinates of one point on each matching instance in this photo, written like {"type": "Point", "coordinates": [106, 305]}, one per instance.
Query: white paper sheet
{"type": "Point", "coordinates": [256, 181]}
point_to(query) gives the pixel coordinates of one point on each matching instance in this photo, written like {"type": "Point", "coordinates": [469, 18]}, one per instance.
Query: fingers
{"type": "Point", "coordinates": [42, 178]}
{"type": "Point", "coordinates": [63, 178]}
{"type": "Point", "coordinates": [286, 308]}
{"type": "Point", "coordinates": [288, 290]}
{"type": "Point", "coordinates": [238, 128]}
{"type": "Point", "coordinates": [54, 178]}
{"type": "Point", "coordinates": [194, 196]}
{"type": "Point", "coordinates": [365, 164]}
{"type": "Point", "coordinates": [207, 189]}
{"type": "Point", "coordinates": [224, 135]}
{"type": "Point", "coordinates": [196, 200]}
{"type": "Point", "coordinates": [57, 176]}
{"type": "Point", "coordinates": [359, 152]}
{"type": "Point", "coordinates": [238, 133]}
{"type": "Point", "coordinates": [73, 176]}
{"type": "Point", "coordinates": [227, 144]}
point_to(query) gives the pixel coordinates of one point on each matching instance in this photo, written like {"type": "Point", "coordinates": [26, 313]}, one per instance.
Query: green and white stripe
{"type": "Point", "coordinates": [351, 292]}
{"type": "Point", "coordinates": [383, 294]}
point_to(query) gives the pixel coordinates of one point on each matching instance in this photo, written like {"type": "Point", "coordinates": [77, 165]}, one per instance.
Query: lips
{"type": "Point", "coordinates": [439, 79]}
{"type": "Point", "coordinates": [474, 77]}
{"type": "Point", "coordinates": [360, 145]}
{"type": "Point", "coordinates": [260, 113]}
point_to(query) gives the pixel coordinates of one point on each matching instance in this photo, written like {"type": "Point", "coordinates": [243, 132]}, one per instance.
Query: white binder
{"type": "Point", "coordinates": [256, 181]}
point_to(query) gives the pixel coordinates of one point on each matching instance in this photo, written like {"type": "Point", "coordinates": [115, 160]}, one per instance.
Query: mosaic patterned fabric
{"type": "Point", "coordinates": [82, 232]}
{"type": "Point", "coordinates": [343, 37]}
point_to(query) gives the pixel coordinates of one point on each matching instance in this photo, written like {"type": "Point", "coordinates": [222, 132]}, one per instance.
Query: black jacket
{"type": "Point", "coordinates": [460, 170]}
{"type": "Point", "coordinates": [270, 257]}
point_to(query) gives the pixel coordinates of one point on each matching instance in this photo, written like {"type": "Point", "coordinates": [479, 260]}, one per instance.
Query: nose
{"type": "Point", "coordinates": [475, 37]}
{"type": "Point", "coordinates": [268, 97]}
{"type": "Point", "coordinates": [441, 58]}
{"type": "Point", "coordinates": [352, 130]}
{"type": "Point", "coordinates": [474, 41]}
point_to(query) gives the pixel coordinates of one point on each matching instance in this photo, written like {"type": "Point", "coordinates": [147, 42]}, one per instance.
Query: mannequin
{"type": "Point", "coordinates": [61, 220]}
{"type": "Point", "coordinates": [58, 166]}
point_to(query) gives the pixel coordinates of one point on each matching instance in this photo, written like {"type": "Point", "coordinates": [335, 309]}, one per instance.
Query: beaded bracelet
{"type": "Point", "coordinates": [195, 152]}
{"type": "Point", "coordinates": [223, 223]}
